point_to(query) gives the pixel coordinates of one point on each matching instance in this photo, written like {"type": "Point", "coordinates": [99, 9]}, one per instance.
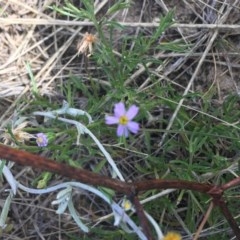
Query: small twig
{"type": "Point", "coordinates": [217, 193]}
{"type": "Point", "coordinates": [167, 184]}
{"type": "Point", "coordinates": [233, 183]}
{"type": "Point", "coordinates": [84, 176]}
{"type": "Point", "coordinates": [142, 217]}
{"type": "Point", "coordinates": [130, 189]}
{"type": "Point", "coordinates": [203, 221]}
{"type": "Point", "coordinates": [227, 214]}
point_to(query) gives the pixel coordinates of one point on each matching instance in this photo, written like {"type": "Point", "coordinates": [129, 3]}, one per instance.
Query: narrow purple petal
{"type": "Point", "coordinates": [132, 112]}
{"type": "Point", "coordinates": [119, 109]}
{"type": "Point", "coordinates": [111, 120]}
{"type": "Point", "coordinates": [133, 127]}
{"type": "Point", "coordinates": [122, 131]}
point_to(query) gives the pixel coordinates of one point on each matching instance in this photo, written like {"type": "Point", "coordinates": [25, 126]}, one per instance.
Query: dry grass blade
{"type": "Point", "coordinates": [33, 21]}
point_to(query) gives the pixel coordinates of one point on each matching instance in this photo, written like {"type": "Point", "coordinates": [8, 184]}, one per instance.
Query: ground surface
{"type": "Point", "coordinates": [202, 68]}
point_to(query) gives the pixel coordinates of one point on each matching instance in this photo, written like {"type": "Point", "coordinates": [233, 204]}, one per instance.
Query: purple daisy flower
{"type": "Point", "coordinates": [41, 140]}
{"type": "Point", "coordinates": [124, 119]}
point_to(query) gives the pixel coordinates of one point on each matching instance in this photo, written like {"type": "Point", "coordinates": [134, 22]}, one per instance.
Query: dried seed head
{"type": "Point", "coordinates": [85, 46]}
{"type": "Point", "coordinates": [18, 132]}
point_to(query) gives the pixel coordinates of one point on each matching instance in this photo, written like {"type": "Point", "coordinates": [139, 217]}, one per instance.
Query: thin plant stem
{"type": "Point", "coordinates": [210, 208]}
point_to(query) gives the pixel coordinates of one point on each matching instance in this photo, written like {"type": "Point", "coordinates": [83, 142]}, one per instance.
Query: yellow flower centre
{"type": "Point", "coordinates": [123, 120]}
{"type": "Point", "coordinates": [172, 236]}
{"type": "Point", "coordinates": [40, 139]}
{"type": "Point", "coordinates": [126, 204]}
